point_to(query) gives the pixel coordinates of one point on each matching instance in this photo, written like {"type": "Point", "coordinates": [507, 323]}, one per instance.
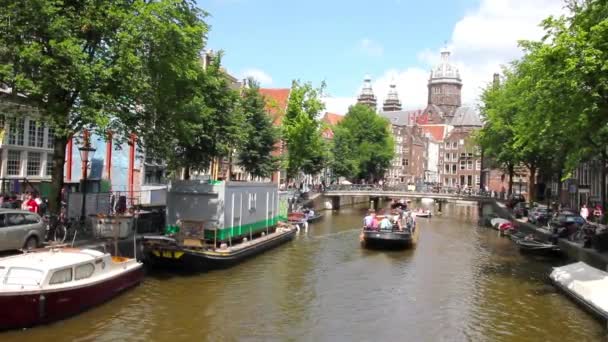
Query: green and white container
{"type": "Point", "coordinates": [226, 210]}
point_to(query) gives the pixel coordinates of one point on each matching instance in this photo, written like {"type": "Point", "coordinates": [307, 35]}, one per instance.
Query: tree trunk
{"type": "Point", "coordinates": [186, 172]}
{"type": "Point", "coordinates": [511, 171]}
{"type": "Point", "coordinates": [229, 176]}
{"type": "Point", "coordinates": [559, 186]}
{"type": "Point", "coordinates": [55, 199]}
{"type": "Point", "coordinates": [532, 184]}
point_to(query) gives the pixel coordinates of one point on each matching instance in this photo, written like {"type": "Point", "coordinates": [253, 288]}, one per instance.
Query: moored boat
{"type": "Point", "coordinates": [531, 245]}
{"type": "Point", "coordinates": [169, 253]}
{"type": "Point", "coordinates": [48, 285]}
{"type": "Point", "coordinates": [316, 217]}
{"type": "Point", "coordinates": [586, 285]}
{"type": "Point", "coordinates": [422, 213]}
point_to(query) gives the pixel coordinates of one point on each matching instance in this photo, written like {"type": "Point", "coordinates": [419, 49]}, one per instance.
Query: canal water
{"type": "Point", "coordinates": [461, 283]}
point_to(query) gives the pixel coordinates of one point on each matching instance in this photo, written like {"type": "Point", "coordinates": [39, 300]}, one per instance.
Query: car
{"type": "Point", "coordinates": [514, 199]}
{"type": "Point", "coordinates": [539, 215]}
{"type": "Point", "coordinates": [20, 229]}
{"type": "Point", "coordinates": [521, 209]}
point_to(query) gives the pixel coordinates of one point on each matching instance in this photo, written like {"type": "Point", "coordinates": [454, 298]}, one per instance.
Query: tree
{"type": "Point", "coordinates": [98, 64]}
{"type": "Point", "coordinates": [306, 150]}
{"type": "Point", "coordinates": [255, 153]}
{"type": "Point", "coordinates": [363, 146]}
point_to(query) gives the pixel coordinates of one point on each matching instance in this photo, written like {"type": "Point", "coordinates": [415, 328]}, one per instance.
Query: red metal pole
{"type": "Point", "coordinates": [68, 175]}
{"type": "Point", "coordinates": [131, 166]}
{"type": "Point", "coordinates": [109, 158]}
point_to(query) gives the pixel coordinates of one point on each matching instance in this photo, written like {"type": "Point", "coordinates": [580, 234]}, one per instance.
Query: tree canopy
{"type": "Point", "coordinates": [551, 111]}
{"type": "Point", "coordinates": [363, 146]}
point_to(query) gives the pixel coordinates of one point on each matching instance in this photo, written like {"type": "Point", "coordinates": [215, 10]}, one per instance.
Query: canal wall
{"type": "Point", "coordinates": [573, 250]}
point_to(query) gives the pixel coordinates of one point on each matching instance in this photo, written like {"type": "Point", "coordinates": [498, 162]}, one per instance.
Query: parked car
{"type": "Point", "coordinates": [20, 229]}
{"type": "Point", "coordinates": [539, 215]}
{"type": "Point", "coordinates": [514, 199]}
{"type": "Point", "coordinates": [521, 209]}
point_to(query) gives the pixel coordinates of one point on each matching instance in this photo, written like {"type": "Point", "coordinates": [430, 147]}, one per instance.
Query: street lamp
{"type": "Point", "coordinates": [86, 154]}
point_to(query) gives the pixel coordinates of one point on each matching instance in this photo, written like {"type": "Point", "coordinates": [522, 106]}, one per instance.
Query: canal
{"type": "Point", "coordinates": [460, 283]}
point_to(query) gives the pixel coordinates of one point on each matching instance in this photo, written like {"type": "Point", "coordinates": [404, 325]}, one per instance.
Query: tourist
{"type": "Point", "coordinates": [385, 223]}
{"type": "Point", "coordinates": [409, 221]}
{"type": "Point", "coordinates": [585, 212]}
{"type": "Point", "coordinates": [31, 204]}
{"type": "Point", "coordinates": [368, 220]}
{"type": "Point", "coordinates": [597, 213]}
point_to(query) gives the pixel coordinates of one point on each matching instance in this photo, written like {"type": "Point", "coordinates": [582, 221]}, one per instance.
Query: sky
{"type": "Point", "coordinates": [341, 41]}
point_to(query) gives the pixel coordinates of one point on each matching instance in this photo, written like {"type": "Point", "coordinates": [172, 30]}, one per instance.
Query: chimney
{"type": "Point", "coordinates": [496, 80]}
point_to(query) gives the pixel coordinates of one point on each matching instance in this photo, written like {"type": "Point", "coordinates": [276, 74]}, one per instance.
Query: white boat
{"type": "Point", "coordinates": [427, 200]}
{"type": "Point", "coordinates": [423, 213]}
{"type": "Point", "coordinates": [47, 285]}
{"type": "Point", "coordinates": [587, 285]}
{"type": "Point", "coordinates": [497, 222]}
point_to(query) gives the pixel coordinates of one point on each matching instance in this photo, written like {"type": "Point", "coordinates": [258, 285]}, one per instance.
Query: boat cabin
{"type": "Point", "coordinates": [58, 269]}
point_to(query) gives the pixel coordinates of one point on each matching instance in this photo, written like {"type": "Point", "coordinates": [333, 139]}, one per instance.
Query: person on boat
{"type": "Point", "coordinates": [385, 223]}
{"type": "Point", "coordinates": [368, 220]}
{"type": "Point", "coordinates": [409, 221]}
{"type": "Point", "coordinates": [397, 218]}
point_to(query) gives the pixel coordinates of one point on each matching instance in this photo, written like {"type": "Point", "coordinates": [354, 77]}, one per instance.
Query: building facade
{"type": "Point", "coordinates": [459, 160]}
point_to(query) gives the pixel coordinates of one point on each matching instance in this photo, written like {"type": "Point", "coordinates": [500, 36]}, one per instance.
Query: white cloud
{"type": "Point", "coordinates": [259, 75]}
{"type": "Point", "coordinates": [370, 47]}
{"type": "Point", "coordinates": [338, 105]}
{"type": "Point", "coordinates": [483, 40]}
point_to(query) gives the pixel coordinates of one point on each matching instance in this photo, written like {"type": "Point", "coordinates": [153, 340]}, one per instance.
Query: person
{"type": "Point", "coordinates": [368, 220]}
{"type": "Point", "coordinates": [31, 204]}
{"type": "Point", "coordinates": [398, 214]}
{"type": "Point", "coordinates": [385, 223]}
{"type": "Point", "coordinates": [597, 212]}
{"type": "Point", "coordinates": [409, 221]}
{"type": "Point", "coordinates": [585, 212]}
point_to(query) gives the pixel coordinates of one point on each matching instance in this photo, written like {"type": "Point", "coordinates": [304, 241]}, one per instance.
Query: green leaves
{"type": "Point", "coordinates": [306, 150]}
{"type": "Point", "coordinates": [363, 146]}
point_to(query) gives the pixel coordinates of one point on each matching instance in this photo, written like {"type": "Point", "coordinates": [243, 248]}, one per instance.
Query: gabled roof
{"type": "Point", "coordinates": [402, 117]}
{"type": "Point", "coordinates": [276, 102]}
{"type": "Point", "coordinates": [332, 119]}
{"type": "Point", "coordinates": [437, 132]}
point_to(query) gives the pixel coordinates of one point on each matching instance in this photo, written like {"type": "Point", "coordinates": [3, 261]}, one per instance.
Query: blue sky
{"type": "Point", "coordinates": [341, 41]}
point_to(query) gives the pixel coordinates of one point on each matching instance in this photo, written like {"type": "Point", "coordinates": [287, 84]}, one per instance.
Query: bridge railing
{"type": "Point", "coordinates": [404, 188]}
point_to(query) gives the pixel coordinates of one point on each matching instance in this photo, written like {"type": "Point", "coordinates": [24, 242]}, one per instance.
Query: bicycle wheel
{"type": "Point", "coordinates": [60, 233]}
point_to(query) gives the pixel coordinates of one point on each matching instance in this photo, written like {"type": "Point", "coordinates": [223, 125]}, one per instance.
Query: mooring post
{"type": "Point", "coordinates": [440, 202]}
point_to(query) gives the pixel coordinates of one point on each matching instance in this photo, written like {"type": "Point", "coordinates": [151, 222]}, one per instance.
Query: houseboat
{"type": "Point", "coordinates": [217, 224]}
{"type": "Point", "coordinates": [48, 285]}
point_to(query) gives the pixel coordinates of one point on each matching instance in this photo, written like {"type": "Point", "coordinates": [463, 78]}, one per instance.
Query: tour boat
{"type": "Point", "coordinates": [47, 285]}
{"type": "Point", "coordinates": [422, 213]}
{"type": "Point", "coordinates": [586, 285]}
{"type": "Point", "coordinates": [389, 239]}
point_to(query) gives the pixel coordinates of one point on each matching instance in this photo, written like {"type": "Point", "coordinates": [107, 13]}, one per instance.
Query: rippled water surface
{"type": "Point", "coordinates": [461, 283]}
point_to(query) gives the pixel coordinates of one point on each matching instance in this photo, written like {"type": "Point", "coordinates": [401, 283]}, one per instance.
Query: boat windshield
{"type": "Point", "coordinates": [23, 276]}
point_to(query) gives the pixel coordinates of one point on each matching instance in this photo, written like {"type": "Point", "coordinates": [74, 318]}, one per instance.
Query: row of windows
{"type": "Point", "coordinates": [17, 219]}
{"type": "Point", "coordinates": [36, 132]}
{"type": "Point", "coordinates": [463, 181]}
{"type": "Point", "coordinates": [79, 273]}
{"type": "Point", "coordinates": [34, 163]}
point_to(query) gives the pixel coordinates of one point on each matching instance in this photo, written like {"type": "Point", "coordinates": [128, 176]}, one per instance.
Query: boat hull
{"type": "Point", "coordinates": [174, 257]}
{"type": "Point", "coordinates": [537, 248]}
{"type": "Point", "coordinates": [387, 240]}
{"type": "Point", "coordinates": [42, 307]}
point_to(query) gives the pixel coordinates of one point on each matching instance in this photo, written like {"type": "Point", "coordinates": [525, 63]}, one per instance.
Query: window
{"type": "Point", "coordinates": [454, 145]}
{"type": "Point", "coordinates": [49, 164]}
{"type": "Point", "coordinates": [50, 139]}
{"type": "Point", "coordinates": [462, 164]}
{"type": "Point", "coordinates": [478, 165]}
{"type": "Point", "coordinates": [23, 276]}
{"type": "Point", "coordinates": [61, 276]}
{"type": "Point", "coordinates": [16, 132]}
{"type": "Point", "coordinates": [469, 165]}
{"type": "Point", "coordinates": [2, 222]}
{"type": "Point", "coordinates": [405, 162]}
{"type": "Point", "coordinates": [437, 90]}
{"type": "Point", "coordinates": [454, 157]}
{"type": "Point", "coordinates": [13, 163]}
{"type": "Point", "coordinates": [84, 271]}
{"type": "Point", "coordinates": [461, 141]}
{"type": "Point", "coordinates": [252, 201]}
{"type": "Point", "coordinates": [454, 169]}
{"type": "Point", "coordinates": [477, 180]}
{"type": "Point", "coordinates": [31, 219]}
{"type": "Point", "coordinates": [36, 134]}
{"type": "Point", "coordinates": [14, 219]}
{"type": "Point", "coordinates": [33, 163]}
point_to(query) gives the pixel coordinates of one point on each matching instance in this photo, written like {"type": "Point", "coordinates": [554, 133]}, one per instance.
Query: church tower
{"type": "Point", "coordinates": [392, 103]}
{"type": "Point", "coordinates": [445, 86]}
{"type": "Point", "coordinates": [367, 96]}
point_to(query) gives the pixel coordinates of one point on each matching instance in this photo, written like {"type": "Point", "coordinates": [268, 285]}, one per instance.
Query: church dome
{"type": "Point", "coordinates": [445, 71]}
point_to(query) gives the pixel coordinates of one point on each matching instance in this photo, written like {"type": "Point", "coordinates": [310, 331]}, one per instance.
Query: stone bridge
{"type": "Point", "coordinates": [376, 193]}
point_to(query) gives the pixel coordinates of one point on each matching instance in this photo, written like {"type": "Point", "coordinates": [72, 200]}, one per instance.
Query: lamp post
{"type": "Point", "coordinates": [86, 153]}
